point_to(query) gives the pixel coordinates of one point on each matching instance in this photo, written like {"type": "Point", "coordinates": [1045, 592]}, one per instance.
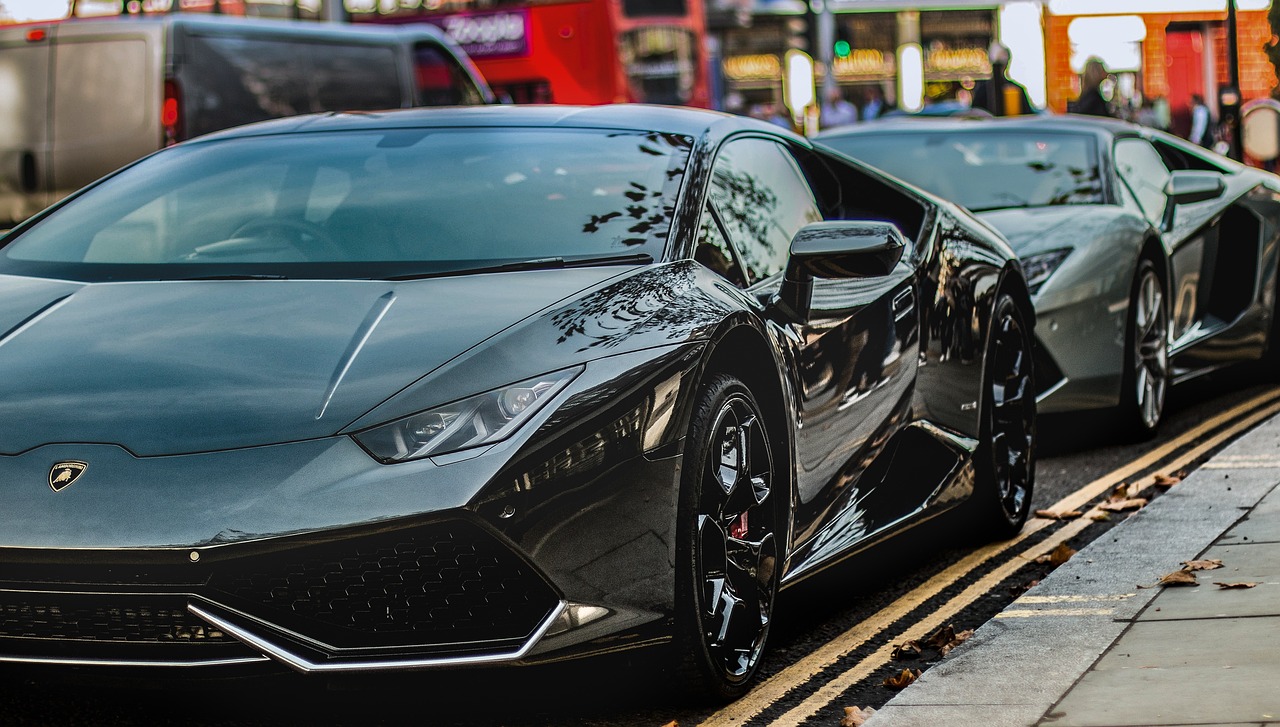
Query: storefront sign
{"type": "Point", "coordinates": [863, 64]}
{"type": "Point", "coordinates": [957, 63]}
{"type": "Point", "coordinates": [759, 67]}
{"type": "Point", "coordinates": [488, 35]}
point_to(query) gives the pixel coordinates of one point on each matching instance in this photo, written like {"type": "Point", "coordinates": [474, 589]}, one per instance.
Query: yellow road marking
{"type": "Point", "coordinates": [771, 690]}
{"type": "Point", "coordinates": [1074, 599]}
{"type": "Point", "coordinates": [1036, 613]}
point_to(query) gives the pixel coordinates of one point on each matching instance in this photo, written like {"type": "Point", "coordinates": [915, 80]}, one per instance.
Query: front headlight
{"type": "Point", "coordinates": [481, 419]}
{"type": "Point", "coordinates": [1038, 268]}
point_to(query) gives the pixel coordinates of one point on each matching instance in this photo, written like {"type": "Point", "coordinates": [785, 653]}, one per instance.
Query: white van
{"type": "Point", "coordinates": [80, 98]}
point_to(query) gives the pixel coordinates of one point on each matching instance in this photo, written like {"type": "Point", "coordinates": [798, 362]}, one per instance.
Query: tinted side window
{"type": "Point", "coordinates": [1141, 167]}
{"type": "Point", "coordinates": [354, 77]}
{"type": "Point", "coordinates": [763, 201]}
{"type": "Point", "coordinates": [714, 251]}
{"type": "Point", "coordinates": [231, 80]}
{"type": "Point", "coordinates": [441, 81]}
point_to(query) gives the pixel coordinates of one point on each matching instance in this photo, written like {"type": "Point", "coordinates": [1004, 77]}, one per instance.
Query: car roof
{"type": "Point", "coordinates": [1039, 122]}
{"type": "Point", "coordinates": [625, 117]}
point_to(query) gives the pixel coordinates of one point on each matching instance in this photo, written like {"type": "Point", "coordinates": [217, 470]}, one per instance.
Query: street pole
{"type": "Point", "coordinates": [1229, 98]}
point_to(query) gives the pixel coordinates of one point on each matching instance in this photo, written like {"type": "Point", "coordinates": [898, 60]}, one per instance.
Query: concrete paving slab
{"type": "Point", "coordinates": [1184, 696]}
{"type": "Point", "coordinates": [961, 714]}
{"type": "Point", "coordinates": [1004, 663]}
{"type": "Point", "coordinates": [1257, 563]}
{"type": "Point", "coordinates": [1261, 525]}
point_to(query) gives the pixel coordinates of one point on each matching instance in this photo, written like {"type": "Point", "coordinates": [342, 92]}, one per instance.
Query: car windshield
{"type": "Point", "coordinates": [393, 203]}
{"type": "Point", "coordinates": [986, 170]}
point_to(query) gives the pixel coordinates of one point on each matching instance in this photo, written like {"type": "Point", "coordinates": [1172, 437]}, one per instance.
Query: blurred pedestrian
{"type": "Point", "coordinates": [1001, 95]}
{"type": "Point", "coordinates": [872, 104]}
{"type": "Point", "coordinates": [1092, 100]}
{"type": "Point", "coordinates": [837, 111]}
{"type": "Point", "coordinates": [1201, 122]}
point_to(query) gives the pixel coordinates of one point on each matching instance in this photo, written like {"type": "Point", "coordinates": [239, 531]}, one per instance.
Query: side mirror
{"type": "Point", "coordinates": [1188, 186]}
{"type": "Point", "coordinates": [837, 249]}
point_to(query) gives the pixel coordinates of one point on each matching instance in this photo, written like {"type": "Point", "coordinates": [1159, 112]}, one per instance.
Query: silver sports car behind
{"type": "Point", "coordinates": [1150, 260]}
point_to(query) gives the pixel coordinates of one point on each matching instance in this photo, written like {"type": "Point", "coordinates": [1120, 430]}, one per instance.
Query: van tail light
{"type": "Point", "coordinates": [170, 113]}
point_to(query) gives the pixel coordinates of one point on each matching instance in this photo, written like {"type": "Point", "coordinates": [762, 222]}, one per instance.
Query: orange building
{"type": "Point", "coordinates": [1182, 53]}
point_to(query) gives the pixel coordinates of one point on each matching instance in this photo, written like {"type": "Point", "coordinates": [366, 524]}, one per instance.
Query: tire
{"type": "Point", "coordinates": [727, 566]}
{"type": "Point", "coordinates": [1145, 381]}
{"type": "Point", "coordinates": [1005, 460]}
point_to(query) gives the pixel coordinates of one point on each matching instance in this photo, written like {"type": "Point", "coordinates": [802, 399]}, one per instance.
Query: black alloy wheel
{"type": "Point", "coordinates": [1006, 455]}
{"type": "Point", "coordinates": [728, 568]}
{"type": "Point", "coordinates": [1146, 374]}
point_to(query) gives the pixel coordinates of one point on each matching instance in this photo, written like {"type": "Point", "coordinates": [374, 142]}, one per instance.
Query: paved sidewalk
{"type": "Point", "coordinates": [1097, 643]}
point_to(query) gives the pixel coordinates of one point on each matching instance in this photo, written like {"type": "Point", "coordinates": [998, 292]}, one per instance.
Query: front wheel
{"type": "Point", "coordinates": [1006, 455]}
{"type": "Point", "coordinates": [727, 567]}
{"type": "Point", "coordinates": [1146, 372]}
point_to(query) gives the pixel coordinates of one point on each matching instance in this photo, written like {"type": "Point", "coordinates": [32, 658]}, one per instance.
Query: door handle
{"type": "Point", "coordinates": [903, 302]}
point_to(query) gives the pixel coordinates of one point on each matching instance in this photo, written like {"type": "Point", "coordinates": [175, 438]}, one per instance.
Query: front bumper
{"type": "Point", "coordinates": [439, 593]}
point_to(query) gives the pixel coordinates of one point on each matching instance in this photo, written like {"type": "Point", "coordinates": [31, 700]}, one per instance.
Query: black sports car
{"type": "Point", "coordinates": [498, 385]}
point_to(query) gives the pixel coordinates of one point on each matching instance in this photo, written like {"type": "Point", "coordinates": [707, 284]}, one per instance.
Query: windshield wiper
{"type": "Point", "coordinates": [543, 263]}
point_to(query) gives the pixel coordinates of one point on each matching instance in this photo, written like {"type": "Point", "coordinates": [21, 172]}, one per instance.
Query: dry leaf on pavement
{"type": "Point", "coordinates": [672, 723]}
{"type": "Point", "coordinates": [1238, 584]}
{"type": "Point", "coordinates": [1057, 556]}
{"type": "Point", "coordinates": [903, 679]}
{"type": "Point", "coordinates": [1179, 578]}
{"type": "Point", "coordinates": [1064, 515]}
{"type": "Point", "coordinates": [1100, 517]}
{"type": "Point", "coordinates": [1209, 564]}
{"type": "Point", "coordinates": [1167, 480]}
{"type": "Point", "coordinates": [1133, 503]}
{"type": "Point", "coordinates": [855, 716]}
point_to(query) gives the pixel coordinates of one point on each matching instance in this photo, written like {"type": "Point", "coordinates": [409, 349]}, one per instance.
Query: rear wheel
{"type": "Point", "coordinates": [1146, 373]}
{"type": "Point", "coordinates": [727, 567]}
{"type": "Point", "coordinates": [1006, 456]}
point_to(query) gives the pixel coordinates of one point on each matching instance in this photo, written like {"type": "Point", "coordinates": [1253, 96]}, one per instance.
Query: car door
{"type": "Point", "coordinates": [854, 377]}
{"type": "Point", "coordinates": [1212, 247]}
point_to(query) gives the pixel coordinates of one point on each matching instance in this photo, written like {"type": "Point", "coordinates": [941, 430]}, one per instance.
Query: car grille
{"type": "Point", "coordinates": [78, 617]}
{"type": "Point", "coordinates": [448, 588]}
{"type": "Point", "coordinates": [447, 583]}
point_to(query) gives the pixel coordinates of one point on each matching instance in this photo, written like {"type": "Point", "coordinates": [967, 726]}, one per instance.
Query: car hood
{"type": "Point", "coordinates": [1032, 230]}
{"type": "Point", "coordinates": [182, 367]}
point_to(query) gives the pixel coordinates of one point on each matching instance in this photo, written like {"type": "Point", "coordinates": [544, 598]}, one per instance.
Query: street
{"type": "Point", "coordinates": [832, 648]}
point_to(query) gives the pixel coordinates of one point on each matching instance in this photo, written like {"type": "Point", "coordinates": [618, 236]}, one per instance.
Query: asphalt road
{"type": "Point", "coordinates": [623, 691]}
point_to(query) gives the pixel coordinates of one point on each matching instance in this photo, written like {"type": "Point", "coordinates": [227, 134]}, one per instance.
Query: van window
{"type": "Point", "coordinates": [440, 80]}
{"type": "Point", "coordinates": [229, 80]}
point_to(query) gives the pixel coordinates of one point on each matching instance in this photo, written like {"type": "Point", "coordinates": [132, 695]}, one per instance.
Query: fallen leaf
{"type": "Point", "coordinates": [1179, 578]}
{"type": "Point", "coordinates": [1133, 503]}
{"type": "Point", "coordinates": [1202, 564]}
{"type": "Point", "coordinates": [672, 723]}
{"type": "Point", "coordinates": [1057, 556]}
{"type": "Point", "coordinates": [909, 650]}
{"type": "Point", "coordinates": [1123, 491]}
{"type": "Point", "coordinates": [903, 679]}
{"type": "Point", "coordinates": [1064, 515]}
{"type": "Point", "coordinates": [1167, 480]}
{"type": "Point", "coordinates": [855, 716]}
{"type": "Point", "coordinates": [1238, 584]}
{"type": "Point", "coordinates": [1100, 517]}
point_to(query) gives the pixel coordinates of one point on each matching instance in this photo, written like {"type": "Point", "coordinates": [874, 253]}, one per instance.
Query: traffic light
{"type": "Point", "coordinates": [842, 46]}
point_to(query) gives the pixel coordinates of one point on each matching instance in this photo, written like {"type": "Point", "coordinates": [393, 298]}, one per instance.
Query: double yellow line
{"type": "Point", "coordinates": [1173, 455]}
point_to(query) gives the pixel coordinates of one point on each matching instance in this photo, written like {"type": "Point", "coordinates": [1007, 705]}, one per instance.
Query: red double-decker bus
{"type": "Point", "coordinates": [570, 51]}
